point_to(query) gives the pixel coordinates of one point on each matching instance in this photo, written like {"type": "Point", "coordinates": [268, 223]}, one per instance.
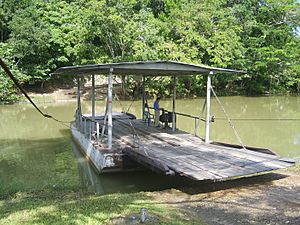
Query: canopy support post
{"type": "Point", "coordinates": [78, 114]}
{"type": "Point", "coordinates": [174, 104]}
{"type": "Point", "coordinates": [143, 98]}
{"type": "Point", "coordinates": [109, 105]}
{"type": "Point", "coordinates": [93, 103]}
{"type": "Point", "coordinates": [207, 121]}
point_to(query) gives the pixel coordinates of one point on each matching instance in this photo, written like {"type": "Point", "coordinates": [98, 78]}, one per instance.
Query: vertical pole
{"type": "Point", "coordinates": [90, 130]}
{"type": "Point", "coordinates": [143, 98]}
{"type": "Point", "coordinates": [207, 121]}
{"type": "Point", "coordinates": [85, 127]}
{"type": "Point", "coordinates": [109, 104]}
{"type": "Point", "coordinates": [174, 104]}
{"type": "Point", "coordinates": [93, 103]}
{"type": "Point", "coordinates": [98, 130]}
{"type": "Point", "coordinates": [195, 127]}
{"type": "Point", "coordinates": [78, 119]}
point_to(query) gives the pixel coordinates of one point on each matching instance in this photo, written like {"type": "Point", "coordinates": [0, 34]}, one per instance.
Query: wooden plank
{"type": "Point", "coordinates": [181, 163]}
{"type": "Point", "coordinates": [198, 140]}
{"type": "Point", "coordinates": [263, 158]}
{"type": "Point", "coordinates": [141, 140]}
{"type": "Point", "coordinates": [234, 172]}
{"type": "Point", "coordinates": [212, 166]}
{"type": "Point", "coordinates": [157, 133]}
{"type": "Point", "coordinates": [148, 136]}
{"type": "Point", "coordinates": [191, 137]}
{"type": "Point", "coordinates": [241, 152]}
{"type": "Point", "coordinates": [189, 156]}
{"type": "Point", "coordinates": [148, 161]}
{"type": "Point", "coordinates": [263, 165]}
{"type": "Point", "coordinates": [184, 168]}
{"type": "Point", "coordinates": [211, 155]}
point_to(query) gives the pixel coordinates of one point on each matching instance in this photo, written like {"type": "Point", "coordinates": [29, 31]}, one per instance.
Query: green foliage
{"type": "Point", "coordinates": [7, 90]}
{"type": "Point", "coordinates": [257, 36]}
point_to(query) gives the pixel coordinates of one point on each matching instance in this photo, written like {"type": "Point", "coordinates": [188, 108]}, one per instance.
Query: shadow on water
{"type": "Point", "coordinates": [144, 180]}
{"type": "Point", "coordinates": [49, 163]}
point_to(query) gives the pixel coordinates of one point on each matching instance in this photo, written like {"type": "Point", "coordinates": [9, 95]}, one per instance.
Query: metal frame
{"type": "Point", "coordinates": [93, 103]}
{"type": "Point", "coordinates": [147, 68]}
{"type": "Point", "coordinates": [78, 118]}
{"type": "Point", "coordinates": [196, 118]}
{"type": "Point", "coordinates": [143, 98]}
{"type": "Point", "coordinates": [174, 104]}
{"type": "Point", "coordinates": [109, 107]}
{"type": "Point", "coordinates": [207, 121]}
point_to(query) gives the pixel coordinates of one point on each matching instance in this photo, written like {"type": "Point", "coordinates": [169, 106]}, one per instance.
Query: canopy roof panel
{"type": "Point", "coordinates": [140, 68]}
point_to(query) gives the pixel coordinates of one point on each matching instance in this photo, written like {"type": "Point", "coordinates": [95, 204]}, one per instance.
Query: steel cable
{"type": "Point", "coordinates": [229, 120]}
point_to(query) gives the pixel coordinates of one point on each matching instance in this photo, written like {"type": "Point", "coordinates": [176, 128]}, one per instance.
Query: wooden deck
{"type": "Point", "coordinates": [183, 154]}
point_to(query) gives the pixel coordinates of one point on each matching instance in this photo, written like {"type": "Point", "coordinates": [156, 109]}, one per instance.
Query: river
{"type": "Point", "coordinates": [38, 153]}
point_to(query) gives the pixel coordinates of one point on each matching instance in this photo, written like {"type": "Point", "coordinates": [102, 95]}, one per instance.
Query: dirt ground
{"type": "Point", "coordinates": [70, 93]}
{"type": "Point", "coordinates": [267, 199]}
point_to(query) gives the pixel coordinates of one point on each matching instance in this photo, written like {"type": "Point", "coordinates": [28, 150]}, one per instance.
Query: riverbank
{"type": "Point", "coordinates": [70, 94]}
{"type": "Point", "coordinates": [267, 199]}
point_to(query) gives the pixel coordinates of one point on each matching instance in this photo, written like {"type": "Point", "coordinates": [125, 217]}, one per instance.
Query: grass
{"type": "Point", "coordinates": [78, 207]}
{"type": "Point", "coordinates": [48, 207]}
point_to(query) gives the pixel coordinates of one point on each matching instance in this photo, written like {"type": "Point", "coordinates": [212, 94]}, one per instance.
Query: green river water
{"type": "Point", "coordinates": [38, 153]}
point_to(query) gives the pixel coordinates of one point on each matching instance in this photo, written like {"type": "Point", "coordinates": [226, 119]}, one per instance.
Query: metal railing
{"type": "Point", "coordinates": [95, 129]}
{"type": "Point", "coordinates": [90, 128]}
{"type": "Point", "coordinates": [197, 119]}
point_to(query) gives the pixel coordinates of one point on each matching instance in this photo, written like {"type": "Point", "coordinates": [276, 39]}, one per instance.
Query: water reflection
{"type": "Point", "coordinates": [296, 140]}
{"type": "Point", "coordinates": [88, 177]}
{"type": "Point", "coordinates": [27, 165]}
{"type": "Point", "coordinates": [144, 180]}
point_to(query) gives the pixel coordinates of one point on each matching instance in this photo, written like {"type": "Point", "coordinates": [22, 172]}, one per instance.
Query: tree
{"type": "Point", "coordinates": [257, 36]}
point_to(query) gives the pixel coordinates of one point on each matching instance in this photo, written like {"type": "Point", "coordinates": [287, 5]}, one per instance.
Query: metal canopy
{"type": "Point", "coordinates": [150, 68]}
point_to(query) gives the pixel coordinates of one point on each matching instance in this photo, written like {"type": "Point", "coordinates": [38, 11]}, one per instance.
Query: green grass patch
{"type": "Point", "coordinates": [48, 207]}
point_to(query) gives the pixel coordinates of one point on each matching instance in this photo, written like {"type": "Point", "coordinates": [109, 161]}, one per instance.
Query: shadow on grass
{"type": "Point", "coordinates": [80, 208]}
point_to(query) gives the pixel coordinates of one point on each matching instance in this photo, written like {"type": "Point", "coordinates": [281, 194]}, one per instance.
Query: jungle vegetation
{"type": "Point", "coordinates": [259, 36]}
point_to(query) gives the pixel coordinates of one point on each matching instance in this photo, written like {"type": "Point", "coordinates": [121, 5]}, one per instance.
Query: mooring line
{"type": "Point", "coordinates": [16, 82]}
{"type": "Point", "coordinates": [260, 119]}
{"type": "Point", "coordinates": [229, 120]}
